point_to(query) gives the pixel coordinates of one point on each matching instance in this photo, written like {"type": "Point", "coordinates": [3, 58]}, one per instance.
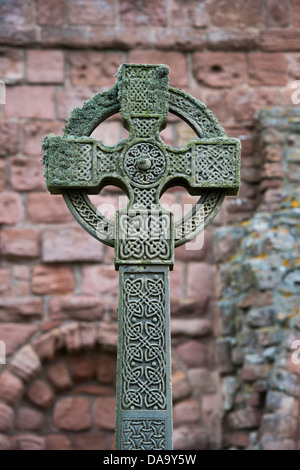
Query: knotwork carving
{"type": "Point", "coordinates": [144, 363]}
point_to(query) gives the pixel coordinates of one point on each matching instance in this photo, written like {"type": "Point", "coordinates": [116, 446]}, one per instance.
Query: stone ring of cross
{"type": "Point", "coordinates": [142, 165]}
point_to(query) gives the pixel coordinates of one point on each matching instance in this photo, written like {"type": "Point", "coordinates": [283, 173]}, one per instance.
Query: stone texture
{"type": "Point", "coordinates": [243, 419]}
{"type": "Point", "coordinates": [78, 307]}
{"type": "Point", "coordinates": [20, 243]}
{"type": "Point", "coordinates": [237, 12]}
{"type": "Point", "coordinates": [57, 442]}
{"type": "Point", "coordinates": [200, 279]}
{"type": "Point", "coordinates": [20, 309]}
{"type": "Point", "coordinates": [11, 209]}
{"type": "Point", "coordinates": [25, 364]}
{"type": "Point", "coordinates": [218, 69]}
{"type": "Point", "coordinates": [40, 394]}
{"type": "Point", "coordinates": [6, 417]}
{"type": "Point", "coordinates": [106, 369]}
{"type": "Point", "coordinates": [94, 441]}
{"type": "Point", "coordinates": [11, 65]}
{"type": "Point", "coordinates": [26, 174]}
{"type": "Point", "coordinates": [180, 386]}
{"type": "Point", "coordinates": [29, 442]}
{"type": "Point", "coordinates": [44, 66]}
{"type": "Point", "coordinates": [29, 419]}
{"type": "Point", "coordinates": [43, 208]}
{"type": "Point", "coordinates": [104, 409]}
{"type": "Point", "coordinates": [52, 280]}
{"type": "Point", "coordinates": [193, 327]}
{"type": "Point", "coordinates": [70, 244]}
{"type": "Point", "coordinates": [30, 102]}
{"type": "Point", "coordinates": [94, 12]}
{"type": "Point", "coordinates": [195, 354]}
{"type": "Point", "coordinates": [99, 280]}
{"type": "Point", "coordinates": [72, 414]}
{"type": "Point", "coordinates": [277, 13]}
{"type": "Point", "coordinates": [59, 376]}
{"type": "Point", "coordinates": [50, 13]}
{"type": "Point", "coordinates": [15, 335]}
{"type": "Point", "coordinates": [11, 388]}
{"type": "Point", "coordinates": [267, 69]}
{"type": "Point", "coordinates": [94, 68]}
{"type": "Point", "coordinates": [82, 368]}
{"type": "Point", "coordinates": [187, 411]}
{"type": "Point", "coordinates": [142, 13]}
{"type": "Point", "coordinates": [280, 39]}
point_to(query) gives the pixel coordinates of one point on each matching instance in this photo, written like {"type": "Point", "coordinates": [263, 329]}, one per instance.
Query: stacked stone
{"type": "Point", "coordinates": [259, 307]}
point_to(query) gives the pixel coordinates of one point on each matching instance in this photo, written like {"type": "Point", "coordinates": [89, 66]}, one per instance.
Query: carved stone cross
{"type": "Point", "coordinates": [144, 234]}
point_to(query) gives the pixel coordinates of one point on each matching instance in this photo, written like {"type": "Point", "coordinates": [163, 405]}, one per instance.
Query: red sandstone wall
{"type": "Point", "coordinates": [58, 286]}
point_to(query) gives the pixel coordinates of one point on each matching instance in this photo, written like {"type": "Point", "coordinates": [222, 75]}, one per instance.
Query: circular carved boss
{"type": "Point", "coordinates": [84, 120]}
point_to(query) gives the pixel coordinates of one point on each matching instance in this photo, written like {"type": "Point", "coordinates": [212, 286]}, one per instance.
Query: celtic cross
{"type": "Point", "coordinates": [144, 234]}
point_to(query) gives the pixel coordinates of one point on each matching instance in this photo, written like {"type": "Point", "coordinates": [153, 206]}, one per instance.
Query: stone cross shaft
{"type": "Point", "coordinates": [144, 234]}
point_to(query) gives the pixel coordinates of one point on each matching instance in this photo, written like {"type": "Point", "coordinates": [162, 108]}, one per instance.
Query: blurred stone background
{"type": "Point", "coordinates": [235, 302]}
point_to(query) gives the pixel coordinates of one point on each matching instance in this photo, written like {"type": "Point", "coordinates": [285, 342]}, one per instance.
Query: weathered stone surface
{"type": "Point", "coordinates": [86, 441]}
{"type": "Point", "coordinates": [203, 380]}
{"type": "Point", "coordinates": [218, 69]}
{"type": "Point", "coordinates": [237, 13]}
{"type": "Point", "coordinates": [72, 414]}
{"type": "Point", "coordinates": [29, 442]}
{"type": "Point", "coordinates": [244, 419]}
{"type": "Point", "coordinates": [11, 65]}
{"type": "Point", "coordinates": [6, 417]}
{"type": "Point", "coordinates": [93, 12]}
{"type": "Point", "coordinates": [180, 386]}
{"type": "Point", "coordinates": [11, 388]}
{"type": "Point", "coordinates": [30, 102]}
{"type": "Point", "coordinates": [186, 411]}
{"type": "Point", "coordinates": [106, 369]}
{"type": "Point", "coordinates": [20, 309]}
{"type": "Point", "coordinates": [29, 419]}
{"type": "Point", "coordinates": [99, 280]}
{"type": "Point", "coordinates": [25, 364]}
{"type": "Point", "coordinates": [44, 66]}
{"type": "Point", "coordinates": [15, 335]}
{"type": "Point", "coordinates": [40, 394]}
{"type": "Point", "coordinates": [107, 335]}
{"type": "Point", "coordinates": [264, 72]}
{"type": "Point", "coordinates": [70, 244]}
{"type": "Point", "coordinates": [94, 68]}
{"type": "Point", "coordinates": [76, 307]}
{"type": "Point", "coordinates": [82, 368]}
{"type": "Point", "coordinates": [46, 209]}
{"type": "Point", "coordinates": [59, 376]}
{"type": "Point", "coordinates": [104, 409]}
{"type": "Point", "coordinates": [192, 327]}
{"type": "Point", "coordinates": [11, 209]}
{"type": "Point", "coordinates": [188, 438]}
{"type": "Point", "coordinates": [143, 13]}
{"type": "Point", "coordinates": [57, 442]}
{"type": "Point", "coordinates": [26, 174]}
{"type": "Point", "coordinates": [52, 280]}
{"type": "Point", "coordinates": [195, 354]}
{"type": "Point", "coordinates": [50, 13]}
{"type": "Point", "coordinates": [20, 243]}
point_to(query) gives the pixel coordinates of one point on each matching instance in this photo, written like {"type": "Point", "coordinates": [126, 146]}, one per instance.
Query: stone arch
{"type": "Point", "coordinates": [58, 390]}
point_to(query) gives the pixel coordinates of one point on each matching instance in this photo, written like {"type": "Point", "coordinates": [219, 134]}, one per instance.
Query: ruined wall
{"type": "Point", "coordinates": [260, 300]}
{"type": "Point", "coordinates": [58, 285]}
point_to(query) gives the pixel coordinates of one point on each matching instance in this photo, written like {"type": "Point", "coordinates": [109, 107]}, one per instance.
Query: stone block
{"type": "Point", "coordinates": [11, 387]}
{"type": "Point", "coordinates": [143, 13]}
{"type": "Point", "coordinates": [219, 69]}
{"type": "Point", "coordinates": [30, 102]}
{"type": "Point", "coordinates": [104, 409]}
{"type": "Point", "coordinates": [70, 244]}
{"type": "Point", "coordinates": [25, 364]}
{"type": "Point", "coordinates": [40, 394]}
{"type": "Point", "coordinates": [49, 280]}
{"type": "Point", "coordinates": [45, 66]}
{"type": "Point", "coordinates": [72, 414]}
{"type": "Point", "coordinates": [20, 243]}
{"type": "Point", "coordinates": [11, 208]}
{"type": "Point", "coordinates": [15, 335]}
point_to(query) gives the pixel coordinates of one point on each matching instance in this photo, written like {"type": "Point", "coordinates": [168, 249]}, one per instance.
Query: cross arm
{"type": "Point", "coordinates": [79, 163]}
{"type": "Point", "coordinates": [207, 164]}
